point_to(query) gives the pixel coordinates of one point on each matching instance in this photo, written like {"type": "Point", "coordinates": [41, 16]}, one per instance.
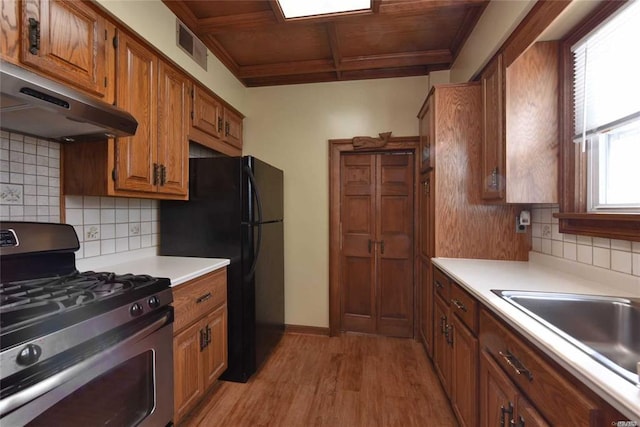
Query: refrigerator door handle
{"type": "Point", "coordinates": [256, 191]}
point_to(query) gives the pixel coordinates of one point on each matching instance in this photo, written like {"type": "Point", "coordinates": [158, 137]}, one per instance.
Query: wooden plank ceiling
{"type": "Point", "coordinates": [396, 38]}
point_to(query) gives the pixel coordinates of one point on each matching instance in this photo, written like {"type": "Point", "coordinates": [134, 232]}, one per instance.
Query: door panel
{"type": "Point", "coordinates": [377, 243]}
{"type": "Point", "coordinates": [358, 220]}
{"type": "Point", "coordinates": [395, 250]}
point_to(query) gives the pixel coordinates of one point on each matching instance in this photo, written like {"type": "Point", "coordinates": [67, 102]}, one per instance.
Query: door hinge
{"type": "Point", "coordinates": [114, 174]}
{"type": "Point", "coordinates": [115, 42]}
{"type": "Point", "coordinates": [192, 115]}
{"type": "Point", "coordinates": [105, 82]}
{"type": "Point", "coordinates": [106, 35]}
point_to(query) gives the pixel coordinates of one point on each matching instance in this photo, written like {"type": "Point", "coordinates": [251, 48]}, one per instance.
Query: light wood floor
{"type": "Point", "coordinates": [342, 381]}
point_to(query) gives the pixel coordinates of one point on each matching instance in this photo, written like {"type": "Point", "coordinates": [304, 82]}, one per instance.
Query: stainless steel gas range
{"type": "Point", "coordinates": [79, 348]}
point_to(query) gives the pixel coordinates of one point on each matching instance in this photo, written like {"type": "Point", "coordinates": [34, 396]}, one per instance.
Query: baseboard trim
{"type": "Point", "coordinates": [306, 330]}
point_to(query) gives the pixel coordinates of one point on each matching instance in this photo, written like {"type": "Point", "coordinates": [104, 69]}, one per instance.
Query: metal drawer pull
{"type": "Point", "coordinates": [204, 297]}
{"type": "Point", "coordinates": [439, 285]}
{"type": "Point", "coordinates": [443, 325]}
{"type": "Point", "coordinates": [516, 364]}
{"type": "Point", "coordinates": [459, 304]}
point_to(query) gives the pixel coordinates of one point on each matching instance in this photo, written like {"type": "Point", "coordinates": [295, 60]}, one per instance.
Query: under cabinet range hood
{"type": "Point", "coordinates": [33, 105]}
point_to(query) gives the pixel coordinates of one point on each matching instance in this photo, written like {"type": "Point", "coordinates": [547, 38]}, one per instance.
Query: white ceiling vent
{"type": "Point", "coordinates": [188, 42]}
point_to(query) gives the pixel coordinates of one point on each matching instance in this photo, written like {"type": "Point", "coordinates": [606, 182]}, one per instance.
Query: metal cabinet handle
{"type": "Point", "coordinates": [208, 335]}
{"type": "Point", "coordinates": [226, 129]}
{"type": "Point", "coordinates": [156, 173]}
{"type": "Point", "coordinates": [449, 335]}
{"type": "Point", "coordinates": [494, 179]}
{"type": "Point", "coordinates": [163, 174]}
{"type": "Point", "coordinates": [204, 297]}
{"type": "Point", "coordinates": [459, 305]}
{"type": "Point", "coordinates": [382, 247]}
{"type": "Point", "coordinates": [34, 36]}
{"type": "Point", "coordinates": [443, 325]}
{"type": "Point", "coordinates": [219, 124]}
{"type": "Point", "coordinates": [504, 411]}
{"type": "Point", "coordinates": [203, 339]}
{"type": "Point", "coordinates": [439, 285]}
{"type": "Point", "coordinates": [516, 364]}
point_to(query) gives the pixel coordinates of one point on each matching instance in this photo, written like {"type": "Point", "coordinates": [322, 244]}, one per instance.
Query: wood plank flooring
{"type": "Point", "coordinates": [347, 381]}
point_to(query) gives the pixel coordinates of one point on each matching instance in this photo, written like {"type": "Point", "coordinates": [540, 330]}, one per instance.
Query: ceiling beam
{"type": "Point", "coordinates": [287, 68]}
{"type": "Point", "coordinates": [422, 6]}
{"type": "Point", "coordinates": [334, 45]}
{"type": "Point", "coordinates": [395, 60]}
{"type": "Point", "coordinates": [409, 59]}
{"type": "Point", "coordinates": [277, 11]}
{"type": "Point", "coordinates": [221, 53]}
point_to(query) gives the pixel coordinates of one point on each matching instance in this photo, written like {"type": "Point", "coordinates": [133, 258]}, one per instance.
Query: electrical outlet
{"type": "Point", "coordinates": [519, 227]}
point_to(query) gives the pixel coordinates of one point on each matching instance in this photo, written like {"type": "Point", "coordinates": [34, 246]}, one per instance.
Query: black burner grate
{"type": "Point", "coordinates": [30, 300]}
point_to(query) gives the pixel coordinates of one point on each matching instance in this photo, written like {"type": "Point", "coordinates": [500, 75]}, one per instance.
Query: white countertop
{"type": "Point", "coordinates": [545, 273]}
{"type": "Point", "coordinates": [178, 269]}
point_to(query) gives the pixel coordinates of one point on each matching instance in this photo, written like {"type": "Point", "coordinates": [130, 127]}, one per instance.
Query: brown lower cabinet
{"type": "Point", "coordinates": [495, 377]}
{"type": "Point", "coordinates": [200, 338]}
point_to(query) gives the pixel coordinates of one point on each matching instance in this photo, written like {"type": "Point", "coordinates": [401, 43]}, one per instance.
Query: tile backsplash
{"type": "Point", "coordinates": [30, 191]}
{"type": "Point", "coordinates": [618, 255]}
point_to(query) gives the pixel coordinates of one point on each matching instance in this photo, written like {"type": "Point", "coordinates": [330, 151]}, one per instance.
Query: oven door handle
{"type": "Point", "coordinates": [20, 398]}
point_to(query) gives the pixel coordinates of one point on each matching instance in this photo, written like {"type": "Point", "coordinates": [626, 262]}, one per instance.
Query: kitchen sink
{"type": "Point", "coordinates": [606, 328]}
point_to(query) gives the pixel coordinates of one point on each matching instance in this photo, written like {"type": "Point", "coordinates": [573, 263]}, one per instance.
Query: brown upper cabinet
{"type": "Point", "coordinates": [215, 125]}
{"type": "Point", "coordinates": [520, 134]}
{"type": "Point", "coordinates": [152, 163]}
{"type": "Point", "coordinates": [66, 40]}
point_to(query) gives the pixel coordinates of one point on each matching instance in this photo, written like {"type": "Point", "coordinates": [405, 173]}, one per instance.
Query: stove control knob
{"type": "Point", "coordinates": [136, 310]}
{"type": "Point", "coordinates": [153, 302]}
{"type": "Point", "coordinates": [29, 355]}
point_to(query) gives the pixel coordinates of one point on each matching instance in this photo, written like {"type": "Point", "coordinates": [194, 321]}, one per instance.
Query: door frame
{"type": "Point", "coordinates": [338, 147]}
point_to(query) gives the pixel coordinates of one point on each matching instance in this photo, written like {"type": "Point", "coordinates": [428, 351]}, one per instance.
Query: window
{"type": "Point", "coordinates": [607, 110]}
{"type": "Point", "coordinates": [600, 124]}
{"type": "Point", "coordinates": [301, 8]}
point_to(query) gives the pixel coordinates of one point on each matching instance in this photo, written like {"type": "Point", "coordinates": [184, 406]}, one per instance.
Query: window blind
{"type": "Point", "coordinates": [607, 74]}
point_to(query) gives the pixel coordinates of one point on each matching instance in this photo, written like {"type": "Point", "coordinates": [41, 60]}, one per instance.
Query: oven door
{"type": "Point", "coordinates": [128, 384]}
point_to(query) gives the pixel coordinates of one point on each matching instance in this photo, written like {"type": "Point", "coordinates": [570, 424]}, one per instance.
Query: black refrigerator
{"type": "Point", "coordinates": [235, 211]}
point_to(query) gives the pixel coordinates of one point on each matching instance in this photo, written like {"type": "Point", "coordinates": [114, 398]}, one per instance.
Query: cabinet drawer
{"type": "Point", "coordinates": [198, 297]}
{"type": "Point", "coordinates": [465, 307]}
{"type": "Point", "coordinates": [441, 284]}
{"type": "Point", "coordinates": [556, 398]}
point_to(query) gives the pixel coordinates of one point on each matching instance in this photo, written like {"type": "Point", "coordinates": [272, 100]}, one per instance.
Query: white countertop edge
{"type": "Point", "coordinates": [178, 269]}
{"type": "Point", "coordinates": [103, 261]}
{"type": "Point", "coordinates": [618, 392]}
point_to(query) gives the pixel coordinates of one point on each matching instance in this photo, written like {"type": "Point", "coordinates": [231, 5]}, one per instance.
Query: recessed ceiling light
{"type": "Point", "coordinates": [300, 8]}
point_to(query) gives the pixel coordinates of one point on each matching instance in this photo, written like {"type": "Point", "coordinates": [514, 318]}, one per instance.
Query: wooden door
{"type": "Point", "coordinates": [426, 304]}
{"type": "Point", "coordinates": [10, 30]}
{"type": "Point", "coordinates": [137, 94]}
{"type": "Point", "coordinates": [173, 127]}
{"type": "Point", "coordinates": [215, 354]}
{"type": "Point", "coordinates": [187, 367]}
{"type": "Point", "coordinates": [358, 218]}
{"type": "Point", "coordinates": [394, 234]}
{"type": "Point", "coordinates": [232, 128]}
{"type": "Point", "coordinates": [497, 394]}
{"type": "Point", "coordinates": [71, 45]}
{"type": "Point", "coordinates": [464, 374]}
{"type": "Point", "coordinates": [493, 131]}
{"type": "Point", "coordinates": [207, 113]}
{"type": "Point", "coordinates": [441, 349]}
{"type": "Point", "coordinates": [377, 243]}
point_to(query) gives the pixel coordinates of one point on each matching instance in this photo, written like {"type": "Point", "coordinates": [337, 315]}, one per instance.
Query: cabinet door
{"type": "Point", "coordinates": [426, 216]}
{"type": "Point", "coordinates": [173, 125]}
{"type": "Point", "coordinates": [71, 45]}
{"type": "Point", "coordinates": [426, 301]}
{"type": "Point", "coordinates": [232, 128]}
{"type": "Point", "coordinates": [493, 172]}
{"type": "Point", "coordinates": [207, 113]}
{"type": "Point", "coordinates": [137, 94]}
{"type": "Point", "coordinates": [215, 354]}
{"type": "Point", "coordinates": [441, 349]}
{"type": "Point", "coordinates": [497, 394]}
{"type": "Point", "coordinates": [464, 374]}
{"type": "Point", "coordinates": [528, 416]}
{"type": "Point", "coordinates": [187, 367]}
{"type": "Point", "coordinates": [10, 30]}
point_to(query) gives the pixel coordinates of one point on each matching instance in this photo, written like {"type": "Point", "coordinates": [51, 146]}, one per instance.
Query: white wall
{"type": "Point", "coordinates": [154, 22]}
{"type": "Point", "coordinates": [289, 127]}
